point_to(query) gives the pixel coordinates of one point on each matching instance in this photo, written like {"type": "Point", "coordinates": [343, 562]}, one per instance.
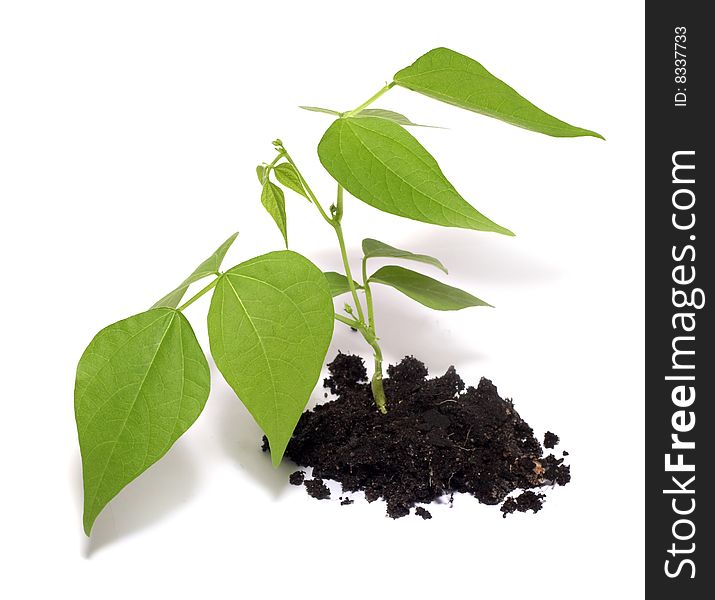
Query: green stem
{"type": "Point", "coordinates": [378, 392]}
{"type": "Point", "coordinates": [368, 296]}
{"type": "Point", "coordinates": [198, 295]}
{"type": "Point", "coordinates": [344, 254]}
{"type": "Point", "coordinates": [309, 191]}
{"type": "Point", "coordinates": [370, 100]}
{"type": "Point", "coordinates": [348, 321]}
{"type": "Point", "coordinates": [366, 329]}
{"type": "Point", "coordinates": [276, 159]}
{"type": "Point", "coordinates": [335, 223]}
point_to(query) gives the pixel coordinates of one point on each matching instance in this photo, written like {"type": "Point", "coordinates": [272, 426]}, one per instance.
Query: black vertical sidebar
{"type": "Point", "coordinates": [680, 261]}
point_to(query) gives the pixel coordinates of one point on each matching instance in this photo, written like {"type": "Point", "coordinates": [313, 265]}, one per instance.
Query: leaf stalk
{"type": "Point", "coordinates": [200, 293]}
{"type": "Point", "coordinates": [370, 100]}
{"type": "Point", "coordinates": [309, 191]}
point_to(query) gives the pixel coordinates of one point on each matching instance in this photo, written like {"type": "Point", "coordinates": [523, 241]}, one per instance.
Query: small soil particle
{"type": "Point", "coordinates": [555, 471]}
{"type": "Point", "coordinates": [551, 440]}
{"type": "Point", "coordinates": [437, 438]}
{"type": "Point", "coordinates": [296, 478]}
{"type": "Point", "coordinates": [317, 489]}
{"type": "Point", "coordinates": [565, 453]}
{"type": "Point", "coordinates": [347, 501]}
{"type": "Point", "coordinates": [527, 500]}
{"type": "Point", "coordinates": [423, 512]}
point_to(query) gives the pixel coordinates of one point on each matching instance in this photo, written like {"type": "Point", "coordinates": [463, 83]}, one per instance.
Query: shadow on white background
{"type": "Point", "coordinates": [483, 258]}
{"type": "Point", "coordinates": [173, 481]}
{"type": "Point", "coordinates": [240, 439]}
{"type": "Point", "coordinates": [160, 491]}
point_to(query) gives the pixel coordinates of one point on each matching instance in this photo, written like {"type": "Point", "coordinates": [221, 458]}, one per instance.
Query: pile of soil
{"type": "Point", "coordinates": [437, 438]}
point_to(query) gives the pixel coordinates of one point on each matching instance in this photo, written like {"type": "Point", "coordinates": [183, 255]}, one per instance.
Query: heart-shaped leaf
{"type": "Point", "coordinates": [377, 249]}
{"type": "Point", "coordinates": [273, 201]}
{"type": "Point", "coordinates": [288, 176]}
{"type": "Point", "coordinates": [382, 164]}
{"type": "Point", "coordinates": [454, 78]}
{"type": "Point", "coordinates": [140, 385]}
{"type": "Point", "coordinates": [209, 267]}
{"type": "Point", "coordinates": [425, 290]}
{"type": "Point", "coordinates": [270, 324]}
{"type": "Point", "coordinates": [338, 283]}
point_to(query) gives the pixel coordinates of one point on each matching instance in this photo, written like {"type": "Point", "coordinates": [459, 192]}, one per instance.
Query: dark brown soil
{"type": "Point", "coordinates": [317, 489]}
{"type": "Point", "coordinates": [551, 440]}
{"type": "Point", "coordinates": [297, 478]}
{"type": "Point", "coordinates": [423, 512]}
{"type": "Point", "coordinates": [527, 500]}
{"type": "Point", "coordinates": [437, 438]}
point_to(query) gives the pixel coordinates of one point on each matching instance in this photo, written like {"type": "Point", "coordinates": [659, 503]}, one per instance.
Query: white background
{"type": "Point", "coordinates": [129, 133]}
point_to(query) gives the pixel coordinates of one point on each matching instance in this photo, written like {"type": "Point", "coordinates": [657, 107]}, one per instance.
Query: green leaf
{"type": "Point", "coordinates": [390, 115]}
{"type": "Point", "coordinates": [288, 176]}
{"type": "Point", "coordinates": [338, 283]}
{"type": "Point", "coordinates": [261, 174]}
{"type": "Point", "coordinates": [377, 249]}
{"type": "Point", "coordinates": [451, 77]}
{"type": "Point", "coordinates": [425, 290]}
{"type": "Point", "coordinates": [273, 201]}
{"type": "Point", "coordinates": [209, 267]}
{"type": "Point", "coordinates": [270, 324]}
{"type": "Point", "coordinates": [317, 109]}
{"type": "Point", "coordinates": [383, 165]}
{"type": "Point", "coordinates": [140, 385]}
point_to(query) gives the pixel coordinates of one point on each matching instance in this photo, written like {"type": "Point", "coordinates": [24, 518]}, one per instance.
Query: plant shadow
{"type": "Point", "coordinates": [485, 259]}
{"type": "Point", "coordinates": [241, 439]}
{"type": "Point", "coordinates": [150, 498]}
{"type": "Point", "coordinates": [477, 258]}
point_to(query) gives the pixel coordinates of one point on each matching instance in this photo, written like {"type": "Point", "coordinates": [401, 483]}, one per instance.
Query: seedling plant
{"type": "Point", "coordinates": [143, 381]}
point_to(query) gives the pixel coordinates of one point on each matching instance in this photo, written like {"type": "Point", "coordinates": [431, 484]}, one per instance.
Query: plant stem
{"type": "Point", "coordinates": [198, 295]}
{"type": "Point", "coordinates": [378, 391]}
{"type": "Point", "coordinates": [348, 274]}
{"type": "Point", "coordinates": [335, 224]}
{"type": "Point", "coordinates": [280, 155]}
{"type": "Point", "coordinates": [307, 187]}
{"type": "Point", "coordinates": [343, 252]}
{"type": "Point", "coordinates": [348, 321]}
{"type": "Point", "coordinates": [368, 296]}
{"type": "Point", "coordinates": [370, 100]}
{"type": "Point", "coordinates": [367, 329]}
